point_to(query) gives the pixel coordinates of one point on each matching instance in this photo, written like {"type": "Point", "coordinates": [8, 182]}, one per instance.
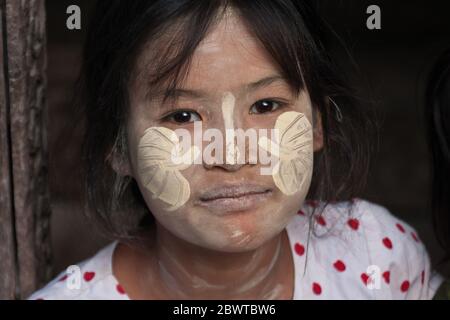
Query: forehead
{"type": "Point", "coordinates": [228, 57]}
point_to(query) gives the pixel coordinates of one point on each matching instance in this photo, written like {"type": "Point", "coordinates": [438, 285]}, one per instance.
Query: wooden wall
{"type": "Point", "coordinates": [24, 199]}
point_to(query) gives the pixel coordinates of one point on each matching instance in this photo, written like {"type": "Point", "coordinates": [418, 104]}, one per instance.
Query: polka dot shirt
{"type": "Point", "coordinates": [346, 250]}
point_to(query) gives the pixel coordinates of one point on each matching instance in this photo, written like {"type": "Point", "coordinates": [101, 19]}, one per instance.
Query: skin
{"type": "Point", "coordinates": [294, 150]}
{"type": "Point", "coordinates": [159, 167]}
{"type": "Point", "coordinates": [192, 252]}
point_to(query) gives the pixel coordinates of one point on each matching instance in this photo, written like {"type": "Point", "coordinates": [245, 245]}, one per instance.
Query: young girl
{"type": "Point", "coordinates": [227, 229]}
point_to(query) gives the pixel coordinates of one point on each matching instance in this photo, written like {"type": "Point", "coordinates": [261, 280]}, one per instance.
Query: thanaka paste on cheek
{"type": "Point", "coordinates": [160, 160]}
{"type": "Point", "coordinates": [294, 151]}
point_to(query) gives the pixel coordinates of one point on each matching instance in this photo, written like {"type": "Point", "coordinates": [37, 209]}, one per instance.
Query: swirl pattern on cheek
{"type": "Point", "coordinates": [160, 160]}
{"type": "Point", "coordinates": [294, 150]}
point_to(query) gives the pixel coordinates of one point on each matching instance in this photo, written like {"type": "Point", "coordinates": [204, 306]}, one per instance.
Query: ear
{"type": "Point", "coordinates": [119, 163]}
{"type": "Point", "coordinates": [317, 131]}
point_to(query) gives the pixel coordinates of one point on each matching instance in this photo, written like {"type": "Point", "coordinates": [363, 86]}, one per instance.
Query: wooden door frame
{"type": "Point", "coordinates": [25, 249]}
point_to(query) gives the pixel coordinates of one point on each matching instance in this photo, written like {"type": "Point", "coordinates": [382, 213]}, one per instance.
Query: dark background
{"type": "Point", "coordinates": [392, 69]}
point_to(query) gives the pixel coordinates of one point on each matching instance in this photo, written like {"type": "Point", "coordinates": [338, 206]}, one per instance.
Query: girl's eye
{"type": "Point", "coordinates": [183, 116]}
{"type": "Point", "coordinates": [264, 106]}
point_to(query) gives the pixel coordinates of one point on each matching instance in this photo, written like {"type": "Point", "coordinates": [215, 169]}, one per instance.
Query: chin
{"type": "Point", "coordinates": [241, 238]}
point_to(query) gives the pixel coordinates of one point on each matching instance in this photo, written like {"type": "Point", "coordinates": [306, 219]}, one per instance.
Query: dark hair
{"type": "Point", "coordinates": [438, 124]}
{"type": "Point", "coordinates": [291, 31]}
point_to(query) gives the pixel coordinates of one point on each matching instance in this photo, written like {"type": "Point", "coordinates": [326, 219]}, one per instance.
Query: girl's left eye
{"type": "Point", "coordinates": [265, 106]}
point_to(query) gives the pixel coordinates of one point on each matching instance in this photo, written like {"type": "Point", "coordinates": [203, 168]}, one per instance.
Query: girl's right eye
{"type": "Point", "coordinates": [183, 116]}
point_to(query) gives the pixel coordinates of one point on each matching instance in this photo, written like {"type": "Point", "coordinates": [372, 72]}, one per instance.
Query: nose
{"type": "Point", "coordinates": [230, 158]}
{"type": "Point", "coordinates": [224, 166]}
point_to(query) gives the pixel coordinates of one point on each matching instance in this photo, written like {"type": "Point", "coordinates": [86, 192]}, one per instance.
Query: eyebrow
{"type": "Point", "coordinates": [175, 93]}
{"type": "Point", "coordinates": [264, 82]}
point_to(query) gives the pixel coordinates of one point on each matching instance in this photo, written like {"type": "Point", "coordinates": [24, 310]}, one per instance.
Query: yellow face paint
{"type": "Point", "coordinates": [228, 104]}
{"type": "Point", "coordinates": [160, 160]}
{"type": "Point", "coordinates": [294, 150]}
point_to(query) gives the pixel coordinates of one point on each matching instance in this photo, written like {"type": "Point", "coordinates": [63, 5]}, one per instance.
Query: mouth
{"type": "Point", "coordinates": [234, 197]}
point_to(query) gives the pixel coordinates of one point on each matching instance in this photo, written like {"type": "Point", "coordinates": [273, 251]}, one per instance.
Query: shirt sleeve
{"type": "Point", "coordinates": [396, 250]}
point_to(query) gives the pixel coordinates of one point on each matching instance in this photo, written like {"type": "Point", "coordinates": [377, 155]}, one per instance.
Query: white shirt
{"type": "Point", "coordinates": [356, 250]}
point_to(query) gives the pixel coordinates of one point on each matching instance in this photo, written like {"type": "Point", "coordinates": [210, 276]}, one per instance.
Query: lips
{"type": "Point", "coordinates": [234, 197]}
{"type": "Point", "coordinates": [233, 191]}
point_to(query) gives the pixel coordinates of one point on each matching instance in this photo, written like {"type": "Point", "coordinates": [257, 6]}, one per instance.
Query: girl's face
{"type": "Point", "coordinates": [232, 84]}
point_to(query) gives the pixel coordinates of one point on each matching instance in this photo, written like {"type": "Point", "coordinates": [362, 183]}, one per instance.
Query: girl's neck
{"type": "Point", "coordinates": [187, 271]}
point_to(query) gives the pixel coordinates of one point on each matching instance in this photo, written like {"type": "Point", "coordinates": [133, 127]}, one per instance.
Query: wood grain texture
{"type": "Point", "coordinates": [25, 85]}
{"type": "Point", "coordinates": [7, 237]}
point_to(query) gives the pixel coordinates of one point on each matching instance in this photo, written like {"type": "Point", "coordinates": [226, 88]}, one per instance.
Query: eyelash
{"type": "Point", "coordinates": [170, 117]}
{"type": "Point", "coordinates": [280, 104]}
